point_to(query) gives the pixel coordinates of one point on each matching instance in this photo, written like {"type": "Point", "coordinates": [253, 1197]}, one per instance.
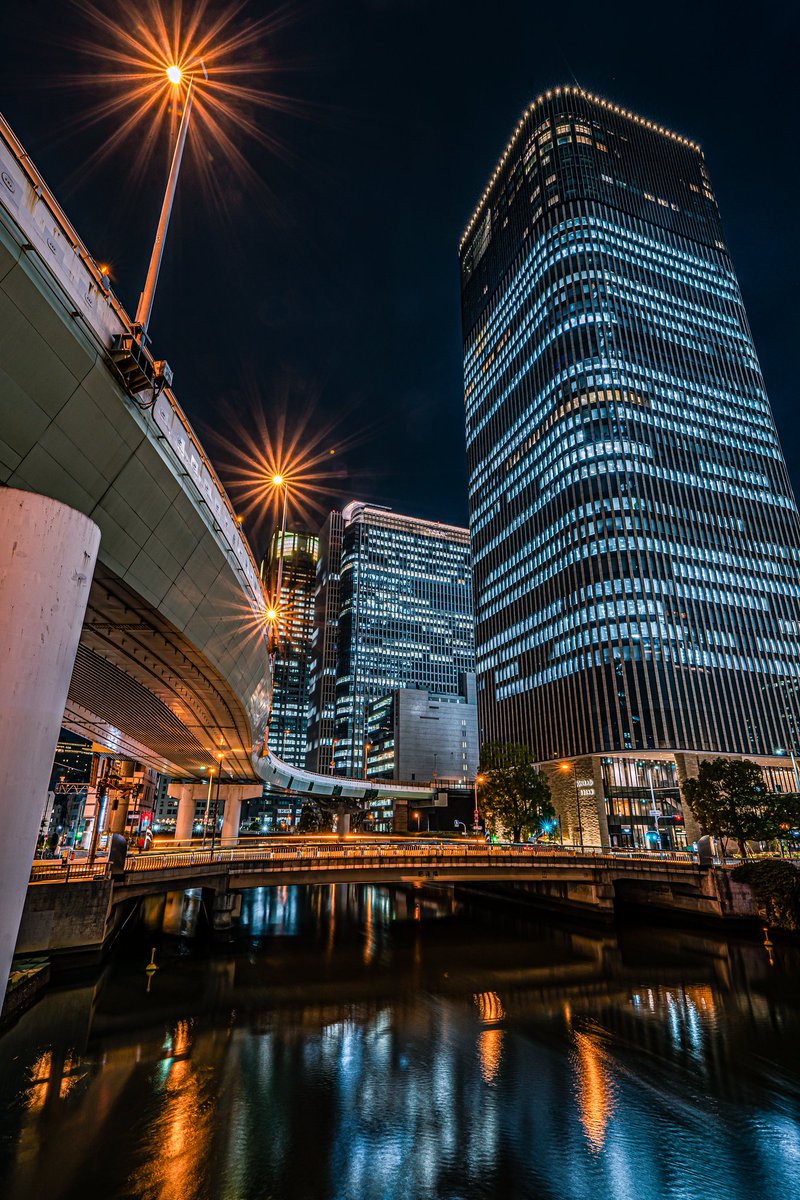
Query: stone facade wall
{"type": "Point", "coordinates": [580, 784]}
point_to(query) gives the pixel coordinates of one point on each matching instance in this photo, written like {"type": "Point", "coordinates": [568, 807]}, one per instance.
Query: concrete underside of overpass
{"type": "Point", "coordinates": [172, 658]}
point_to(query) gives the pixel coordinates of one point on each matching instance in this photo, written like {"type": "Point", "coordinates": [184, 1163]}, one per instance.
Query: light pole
{"type": "Point", "coordinates": [216, 803]}
{"type": "Point", "coordinates": [367, 748]}
{"type": "Point", "coordinates": [208, 807]}
{"type": "Point", "coordinates": [653, 809]}
{"type": "Point", "coordinates": [145, 307]}
{"type": "Point", "coordinates": [566, 766]}
{"type": "Point", "coordinates": [279, 481]}
{"type": "Point", "coordinates": [475, 818]}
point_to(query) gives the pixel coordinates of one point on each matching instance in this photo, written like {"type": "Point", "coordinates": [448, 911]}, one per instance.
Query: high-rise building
{"type": "Point", "coordinates": [289, 724]}
{"type": "Point", "coordinates": [405, 616]}
{"type": "Point", "coordinates": [635, 536]}
{"type": "Point", "coordinates": [324, 643]}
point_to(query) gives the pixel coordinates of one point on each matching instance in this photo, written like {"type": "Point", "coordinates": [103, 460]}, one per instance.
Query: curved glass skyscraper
{"type": "Point", "coordinates": [635, 537]}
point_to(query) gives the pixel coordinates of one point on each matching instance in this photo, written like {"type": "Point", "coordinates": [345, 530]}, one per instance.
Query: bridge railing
{"type": "Point", "coordinates": [69, 872]}
{"type": "Point", "coordinates": [356, 854]}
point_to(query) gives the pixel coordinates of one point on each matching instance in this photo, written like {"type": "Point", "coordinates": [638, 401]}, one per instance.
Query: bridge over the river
{"type": "Point", "coordinates": [84, 913]}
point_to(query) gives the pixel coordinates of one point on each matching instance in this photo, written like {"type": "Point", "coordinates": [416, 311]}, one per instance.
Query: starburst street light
{"type": "Point", "coordinates": [174, 75]}
{"type": "Point", "coordinates": [280, 481]}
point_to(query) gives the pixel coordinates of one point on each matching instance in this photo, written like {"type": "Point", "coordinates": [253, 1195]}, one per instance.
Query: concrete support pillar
{"type": "Point", "coordinates": [231, 814]}
{"type": "Point", "coordinates": [118, 804]}
{"type": "Point", "coordinates": [184, 821]}
{"type": "Point", "coordinates": [400, 816]}
{"type": "Point", "coordinates": [47, 557]}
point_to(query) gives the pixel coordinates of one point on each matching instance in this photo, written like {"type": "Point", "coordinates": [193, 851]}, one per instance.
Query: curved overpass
{"type": "Point", "coordinates": [172, 661]}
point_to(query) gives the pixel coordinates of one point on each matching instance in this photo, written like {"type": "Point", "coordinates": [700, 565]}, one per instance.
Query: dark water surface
{"type": "Point", "coordinates": [364, 1043]}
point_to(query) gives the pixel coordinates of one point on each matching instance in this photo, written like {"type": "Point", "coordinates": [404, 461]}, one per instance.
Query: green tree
{"type": "Point", "coordinates": [513, 790]}
{"type": "Point", "coordinates": [730, 800]}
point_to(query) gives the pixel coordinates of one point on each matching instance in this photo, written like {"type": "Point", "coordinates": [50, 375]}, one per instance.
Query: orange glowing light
{"type": "Point", "coordinates": [139, 62]}
{"type": "Point", "coordinates": [265, 455]}
{"type": "Point", "coordinates": [271, 614]}
{"type": "Point", "coordinates": [595, 1091]}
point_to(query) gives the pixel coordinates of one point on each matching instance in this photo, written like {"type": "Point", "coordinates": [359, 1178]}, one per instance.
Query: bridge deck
{"type": "Point", "coordinates": [275, 863]}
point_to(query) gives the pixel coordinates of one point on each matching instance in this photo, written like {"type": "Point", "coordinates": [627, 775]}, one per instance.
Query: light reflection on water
{"type": "Point", "coordinates": [369, 1044]}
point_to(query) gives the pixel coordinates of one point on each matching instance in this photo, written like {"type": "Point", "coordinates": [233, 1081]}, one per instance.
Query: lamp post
{"type": "Point", "coordinates": [208, 807]}
{"type": "Point", "coordinates": [367, 748]}
{"type": "Point", "coordinates": [566, 766]}
{"type": "Point", "coordinates": [475, 819]}
{"type": "Point", "coordinates": [145, 307]}
{"type": "Point", "coordinates": [216, 803]}
{"type": "Point", "coordinates": [279, 481]}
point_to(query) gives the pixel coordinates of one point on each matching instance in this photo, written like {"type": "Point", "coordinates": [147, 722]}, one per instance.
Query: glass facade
{"type": "Point", "coordinates": [634, 533]}
{"type": "Point", "coordinates": [289, 725]}
{"type": "Point", "coordinates": [324, 643]}
{"type": "Point", "coordinates": [405, 617]}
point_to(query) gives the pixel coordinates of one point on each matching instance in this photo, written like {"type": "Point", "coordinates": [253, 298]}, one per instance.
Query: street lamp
{"type": "Point", "coordinates": [208, 807]}
{"type": "Point", "coordinates": [174, 75]}
{"type": "Point", "coordinates": [216, 802]}
{"type": "Point", "coordinates": [279, 481]}
{"type": "Point", "coordinates": [566, 766]}
{"type": "Point", "coordinates": [478, 779]}
{"type": "Point", "coordinates": [367, 748]}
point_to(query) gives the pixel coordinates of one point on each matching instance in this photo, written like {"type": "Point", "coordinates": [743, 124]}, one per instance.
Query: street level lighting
{"type": "Point", "coordinates": [566, 766]}
{"type": "Point", "coordinates": [208, 804]}
{"type": "Point", "coordinates": [174, 75]}
{"type": "Point", "coordinates": [219, 757]}
{"type": "Point", "coordinates": [478, 779]}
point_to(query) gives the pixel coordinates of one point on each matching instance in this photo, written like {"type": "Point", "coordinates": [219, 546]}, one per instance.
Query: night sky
{"type": "Point", "coordinates": [336, 285]}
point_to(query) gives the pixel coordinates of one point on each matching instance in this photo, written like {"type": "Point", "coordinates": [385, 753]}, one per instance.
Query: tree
{"type": "Point", "coordinates": [513, 790]}
{"type": "Point", "coordinates": [730, 800]}
{"type": "Point", "coordinates": [314, 818]}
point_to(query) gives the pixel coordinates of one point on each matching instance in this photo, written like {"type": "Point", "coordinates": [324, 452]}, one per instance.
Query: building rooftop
{"type": "Point", "coordinates": [537, 103]}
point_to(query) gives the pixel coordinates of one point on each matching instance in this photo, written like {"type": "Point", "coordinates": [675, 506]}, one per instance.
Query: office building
{"type": "Point", "coordinates": [323, 648]}
{"type": "Point", "coordinates": [405, 617]}
{"type": "Point", "coordinates": [634, 531]}
{"type": "Point", "coordinates": [289, 724]}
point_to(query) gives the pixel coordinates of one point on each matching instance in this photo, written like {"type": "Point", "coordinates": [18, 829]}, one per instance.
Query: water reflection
{"type": "Point", "coordinates": [382, 1044]}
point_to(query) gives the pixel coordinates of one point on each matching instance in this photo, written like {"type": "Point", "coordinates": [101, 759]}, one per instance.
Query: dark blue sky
{"type": "Point", "coordinates": [340, 286]}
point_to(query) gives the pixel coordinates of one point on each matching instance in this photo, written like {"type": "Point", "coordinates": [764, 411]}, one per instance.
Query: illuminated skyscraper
{"type": "Point", "coordinates": [405, 617]}
{"type": "Point", "coordinates": [324, 644]}
{"type": "Point", "coordinates": [634, 531]}
{"type": "Point", "coordinates": [289, 725]}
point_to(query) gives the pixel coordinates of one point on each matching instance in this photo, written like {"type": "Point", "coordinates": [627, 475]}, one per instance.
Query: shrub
{"type": "Point", "coordinates": [775, 885]}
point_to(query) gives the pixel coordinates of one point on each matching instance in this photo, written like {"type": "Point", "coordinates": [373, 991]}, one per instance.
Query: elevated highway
{"type": "Point", "coordinates": [131, 609]}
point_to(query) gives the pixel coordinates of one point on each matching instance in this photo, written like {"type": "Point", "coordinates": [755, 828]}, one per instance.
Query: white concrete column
{"type": "Point", "coordinates": [232, 813]}
{"type": "Point", "coordinates": [184, 821]}
{"type": "Point", "coordinates": [47, 557]}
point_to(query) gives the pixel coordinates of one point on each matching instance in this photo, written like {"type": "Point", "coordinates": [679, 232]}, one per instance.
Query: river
{"type": "Point", "coordinates": [365, 1043]}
